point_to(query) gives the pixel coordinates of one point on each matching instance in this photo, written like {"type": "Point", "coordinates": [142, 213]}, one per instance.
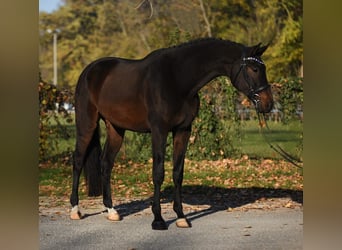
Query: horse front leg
{"type": "Point", "coordinates": [180, 142]}
{"type": "Point", "coordinates": [158, 150]}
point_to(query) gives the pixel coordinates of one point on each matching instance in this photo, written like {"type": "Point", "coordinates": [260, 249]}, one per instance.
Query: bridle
{"type": "Point", "coordinates": [253, 93]}
{"type": "Point", "coordinates": [254, 96]}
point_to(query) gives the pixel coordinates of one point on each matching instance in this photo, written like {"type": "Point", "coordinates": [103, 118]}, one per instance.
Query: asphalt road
{"type": "Point", "coordinates": [255, 229]}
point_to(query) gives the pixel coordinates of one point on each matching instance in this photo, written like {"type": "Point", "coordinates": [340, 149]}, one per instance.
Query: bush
{"type": "Point", "coordinates": [291, 98]}
{"type": "Point", "coordinates": [211, 138]}
{"type": "Point", "coordinates": [51, 127]}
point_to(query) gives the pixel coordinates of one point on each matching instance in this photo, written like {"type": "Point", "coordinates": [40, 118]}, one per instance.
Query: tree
{"type": "Point", "coordinates": [287, 54]}
{"type": "Point", "coordinates": [89, 29]}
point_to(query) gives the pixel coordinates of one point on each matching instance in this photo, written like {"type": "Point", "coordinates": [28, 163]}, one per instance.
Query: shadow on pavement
{"type": "Point", "coordinates": [216, 198]}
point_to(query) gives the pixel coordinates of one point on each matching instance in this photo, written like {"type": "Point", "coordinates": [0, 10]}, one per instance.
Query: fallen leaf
{"type": "Point", "coordinates": [288, 205]}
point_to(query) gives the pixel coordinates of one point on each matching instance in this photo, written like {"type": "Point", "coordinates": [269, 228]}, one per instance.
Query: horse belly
{"type": "Point", "coordinates": [121, 102]}
{"type": "Point", "coordinates": [129, 116]}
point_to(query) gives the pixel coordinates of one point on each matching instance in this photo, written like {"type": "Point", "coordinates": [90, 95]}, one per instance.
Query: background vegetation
{"type": "Point", "coordinates": [225, 128]}
{"type": "Point", "coordinates": [89, 29]}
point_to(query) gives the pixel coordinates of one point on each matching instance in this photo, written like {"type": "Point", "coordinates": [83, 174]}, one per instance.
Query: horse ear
{"type": "Point", "coordinates": [261, 50]}
{"type": "Point", "coordinates": [257, 50]}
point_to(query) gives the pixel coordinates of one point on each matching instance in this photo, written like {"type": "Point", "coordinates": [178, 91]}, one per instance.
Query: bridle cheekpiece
{"type": "Point", "coordinates": [253, 93]}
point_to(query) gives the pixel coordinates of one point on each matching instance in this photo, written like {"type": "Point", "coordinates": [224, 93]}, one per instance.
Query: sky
{"type": "Point", "coordinates": [49, 5]}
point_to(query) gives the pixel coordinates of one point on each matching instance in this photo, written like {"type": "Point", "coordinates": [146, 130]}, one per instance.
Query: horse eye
{"type": "Point", "coordinates": [255, 69]}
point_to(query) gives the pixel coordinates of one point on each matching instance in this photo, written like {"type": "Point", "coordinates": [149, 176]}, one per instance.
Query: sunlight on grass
{"type": "Point", "coordinates": [258, 166]}
{"type": "Point", "coordinates": [135, 180]}
{"type": "Point", "coordinates": [289, 137]}
{"type": "Point", "coordinates": [252, 143]}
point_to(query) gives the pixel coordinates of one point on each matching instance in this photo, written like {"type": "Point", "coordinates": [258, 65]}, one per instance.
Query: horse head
{"type": "Point", "coordinates": [249, 77]}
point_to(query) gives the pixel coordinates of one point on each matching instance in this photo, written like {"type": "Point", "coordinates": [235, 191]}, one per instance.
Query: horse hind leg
{"type": "Point", "coordinates": [87, 140]}
{"type": "Point", "coordinates": [112, 146]}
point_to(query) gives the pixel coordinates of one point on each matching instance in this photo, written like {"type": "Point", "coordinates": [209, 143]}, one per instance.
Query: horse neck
{"type": "Point", "coordinates": [202, 63]}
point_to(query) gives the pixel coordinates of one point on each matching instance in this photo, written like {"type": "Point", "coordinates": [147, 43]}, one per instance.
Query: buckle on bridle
{"type": "Point", "coordinates": [256, 98]}
{"type": "Point", "coordinates": [254, 94]}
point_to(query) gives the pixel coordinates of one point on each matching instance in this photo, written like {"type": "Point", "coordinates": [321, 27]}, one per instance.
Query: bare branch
{"type": "Point", "coordinates": [149, 2]}
{"type": "Point", "coordinates": [139, 5]}
{"type": "Point", "coordinates": [205, 18]}
{"type": "Point", "coordinates": [143, 38]}
{"type": "Point", "coordinates": [122, 24]}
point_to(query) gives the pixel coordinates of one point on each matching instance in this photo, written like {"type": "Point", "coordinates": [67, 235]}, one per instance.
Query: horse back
{"type": "Point", "coordinates": [132, 93]}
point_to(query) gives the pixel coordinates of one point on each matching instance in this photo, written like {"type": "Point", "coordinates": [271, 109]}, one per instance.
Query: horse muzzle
{"type": "Point", "coordinates": [263, 101]}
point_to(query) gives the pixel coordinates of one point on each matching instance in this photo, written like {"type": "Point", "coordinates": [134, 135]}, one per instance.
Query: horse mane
{"type": "Point", "coordinates": [201, 41]}
{"type": "Point", "coordinates": [192, 43]}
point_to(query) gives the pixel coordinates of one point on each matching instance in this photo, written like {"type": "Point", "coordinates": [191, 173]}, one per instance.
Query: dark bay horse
{"type": "Point", "coordinates": [157, 94]}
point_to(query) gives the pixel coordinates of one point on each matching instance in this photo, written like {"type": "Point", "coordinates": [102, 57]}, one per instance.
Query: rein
{"type": "Point", "coordinates": [254, 96]}
{"type": "Point", "coordinates": [294, 161]}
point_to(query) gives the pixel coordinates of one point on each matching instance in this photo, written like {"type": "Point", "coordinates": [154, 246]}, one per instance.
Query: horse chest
{"type": "Point", "coordinates": [186, 113]}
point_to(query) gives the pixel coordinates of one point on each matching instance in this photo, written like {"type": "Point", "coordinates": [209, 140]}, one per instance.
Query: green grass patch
{"type": "Point", "coordinates": [251, 143]}
{"type": "Point", "coordinates": [289, 137]}
{"type": "Point", "coordinates": [135, 180]}
{"type": "Point", "coordinates": [258, 166]}
{"type": "Point", "coordinates": [54, 181]}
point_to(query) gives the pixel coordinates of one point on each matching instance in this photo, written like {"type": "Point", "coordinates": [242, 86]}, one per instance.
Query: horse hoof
{"type": "Point", "coordinates": [113, 215]}
{"type": "Point", "coordinates": [75, 216]}
{"type": "Point", "coordinates": [159, 225]}
{"type": "Point", "coordinates": [183, 223]}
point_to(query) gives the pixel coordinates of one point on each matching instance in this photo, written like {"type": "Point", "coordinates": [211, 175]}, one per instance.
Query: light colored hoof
{"type": "Point", "coordinates": [113, 215]}
{"type": "Point", "coordinates": [75, 214]}
{"type": "Point", "coordinates": [182, 223]}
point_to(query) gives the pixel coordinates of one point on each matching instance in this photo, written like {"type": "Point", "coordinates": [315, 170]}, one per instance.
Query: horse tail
{"type": "Point", "coordinates": [92, 165]}
{"type": "Point", "coordinates": [91, 160]}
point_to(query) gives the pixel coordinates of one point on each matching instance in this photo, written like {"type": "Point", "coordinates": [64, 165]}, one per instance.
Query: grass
{"type": "Point", "coordinates": [259, 166]}
{"type": "Point", "coordinates": [288, 137]}
{"type": "Point", "coordinates": [135, 179]}
{"type": "Point", "coordinates": [252, 142]}
{"type": "Point", "coordinates": [54, 181]}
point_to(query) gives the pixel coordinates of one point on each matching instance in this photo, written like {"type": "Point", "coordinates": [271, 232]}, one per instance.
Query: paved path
{"type": "Point", "coordinates": [280, 228]}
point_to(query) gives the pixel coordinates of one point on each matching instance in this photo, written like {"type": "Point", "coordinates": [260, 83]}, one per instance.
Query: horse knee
{"type": "Point", "coordinates": [158, 175]}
